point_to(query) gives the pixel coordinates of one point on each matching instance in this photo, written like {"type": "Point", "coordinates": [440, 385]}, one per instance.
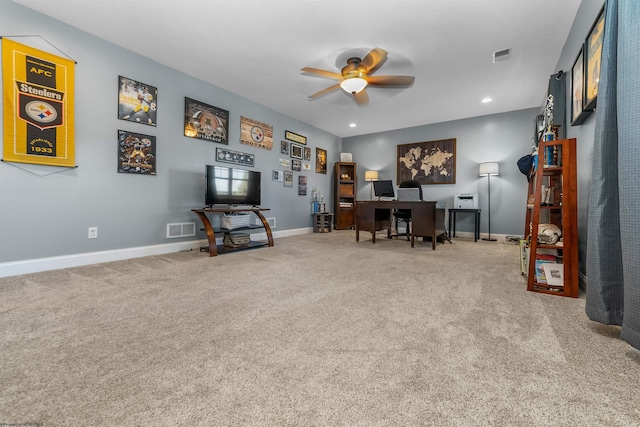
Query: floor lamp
{"type": "Point", "coordinates": [487, 169]}
{"type": "Point", "coordinates": [371, 176]}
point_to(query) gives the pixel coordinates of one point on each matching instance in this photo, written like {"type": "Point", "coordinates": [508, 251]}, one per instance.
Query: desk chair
{"type": "Point", "coordinates": [404, 215]}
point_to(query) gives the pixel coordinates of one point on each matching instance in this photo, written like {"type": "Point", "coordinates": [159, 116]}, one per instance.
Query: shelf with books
{"type": "Point", "coordinates": [551, 228]}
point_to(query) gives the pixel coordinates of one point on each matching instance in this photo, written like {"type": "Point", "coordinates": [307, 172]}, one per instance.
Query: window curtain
{"type": "Point", "coordinates": [613, 243]}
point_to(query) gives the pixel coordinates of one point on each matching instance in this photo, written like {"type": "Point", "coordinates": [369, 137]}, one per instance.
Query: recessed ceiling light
{"type": "Point", "coordinates": [486, 100]}
{"type": "Point", "coordinates": [352, 125]}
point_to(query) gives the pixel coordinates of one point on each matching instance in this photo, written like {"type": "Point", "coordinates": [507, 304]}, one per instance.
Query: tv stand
{"type": "Point", "coordinates": [214, 248]}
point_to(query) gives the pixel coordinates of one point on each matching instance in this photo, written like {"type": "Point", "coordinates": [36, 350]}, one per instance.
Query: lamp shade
{"type": "Point", "coordinates": [370, 175]}
{"type": "Point", "coordinates": [489, 168]}
{"type": "Point", "coordinates": [353, 85]}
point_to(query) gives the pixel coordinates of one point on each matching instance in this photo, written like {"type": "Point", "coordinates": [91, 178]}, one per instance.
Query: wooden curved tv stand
{"type": "Point", "coordinates": [211, 232]}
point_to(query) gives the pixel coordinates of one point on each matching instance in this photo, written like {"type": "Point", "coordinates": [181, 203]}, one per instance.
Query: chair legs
{"type": "Point", "coordinates": [407, 232]}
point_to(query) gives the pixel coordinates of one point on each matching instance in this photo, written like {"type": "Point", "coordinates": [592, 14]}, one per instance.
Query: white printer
{"type": "Point", "coordinates": [465, 201]}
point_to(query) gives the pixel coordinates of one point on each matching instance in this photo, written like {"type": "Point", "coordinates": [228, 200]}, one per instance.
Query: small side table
{"type": "Point", "coordinates": [322, 222]}
{"type": "Point", "coordinates": [452, 222]}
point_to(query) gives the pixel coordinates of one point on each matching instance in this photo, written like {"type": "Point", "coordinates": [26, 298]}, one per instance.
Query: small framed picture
{"type": "Point", "coordinates": [302, 185]}
{"type": "Point", "coordinates": [578, 115]}
{"type": "Point", "coordinates": [321, 161]}
{"type": "Point", "coordinates": [285, 163]}
{"type": "Point", "coordinates": [554, 274]}
{"type": "Point", "coordinates": [296, 165]}
{"type": "Point", "coordinates": [278, 175]}
{"type": "Point", "coordinates": [593, 55]}
{"type": "Point", "coordinates": [306, 154]}
{"type": "Point", "coordinates": [288, 178]}
{"type": "Point", "coordinates": [296, 151]}
{"type": "Point", "coordinates": [306, 166]}
{"type": "Point", "coordinates": [284, 147]}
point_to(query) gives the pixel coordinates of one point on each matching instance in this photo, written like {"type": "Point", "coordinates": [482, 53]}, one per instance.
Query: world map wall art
{"type": "Point", "coordinates": [432, 162]}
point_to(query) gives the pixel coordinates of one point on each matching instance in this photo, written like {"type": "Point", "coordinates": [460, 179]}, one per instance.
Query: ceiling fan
{"type": "Point", "coordinates": [356, 76]}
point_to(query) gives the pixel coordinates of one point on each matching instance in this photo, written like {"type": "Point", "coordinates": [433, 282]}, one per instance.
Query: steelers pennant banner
{"type": "Point", "coordinates": [38, 106]}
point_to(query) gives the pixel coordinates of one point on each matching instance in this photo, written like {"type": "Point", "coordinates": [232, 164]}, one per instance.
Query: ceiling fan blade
{"type": "Point", "coordinates": [361, 97]}
{"type": "Point", "coordinates": [374, 59]}
{"type": "Point", "coordinates": [323, 73]}
{"type": "Point", "coordinates": [325, 91]}
{"type": "Point", "coordinates": [391, 80]}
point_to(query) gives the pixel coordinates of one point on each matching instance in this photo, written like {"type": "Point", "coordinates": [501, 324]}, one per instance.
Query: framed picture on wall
{"type": "Point", "coordinates": [136, 153]}
{"type": "Point", "coordinates": [204, 121]}
{"type": "Point", "coordinates": [578, 114]}
{"type": "Point", "coordinates": [137, 101]}
{"type": "Point", "coordinates": [593, 56]}
{"type": "Point", "coordinates": [296, 151]}
{"type": "Point", "coordinates": [321, 161]}
{"type": "Point", "coordinates": [431, 162]}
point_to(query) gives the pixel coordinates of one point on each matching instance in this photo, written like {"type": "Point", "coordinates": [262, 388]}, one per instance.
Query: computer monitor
{"type": "Point", "coordinates": [383, 188]}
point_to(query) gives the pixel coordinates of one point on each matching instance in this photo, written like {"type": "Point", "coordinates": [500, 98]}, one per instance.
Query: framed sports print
{"type": "Point", "coordinates": [593, 56]}
{"type": "Point", "coordinates": [230, 156]}
{"type": "Point", "coordinates": [204, 121]}
{"type": "Point", "coordinates": [296, 151]}
{"type": "Point", "coordinates": [255, 133]}
{"type": "Point", "coordinates": [284, 147]}
{"type": "Point", "coordinates": [136, 153]}
{"type": "Point", "coordinates": [137, 101]}
{"type": "Point", "coordinates": [431, 162]}
{"type": "Point", "coordinates": [288, 178]}
{"type": "Point", "coordinates": [321, 161]}
{"type": "Point", "coordinates": [578, 115]}
{"type": "Point", "coordinates": [300, 139]}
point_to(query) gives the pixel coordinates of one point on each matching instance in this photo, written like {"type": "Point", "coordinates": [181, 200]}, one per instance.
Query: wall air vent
{"type": "Point", "coordinates": [501, 55]}
{"type": "Point", "coordinates": [181, 229]}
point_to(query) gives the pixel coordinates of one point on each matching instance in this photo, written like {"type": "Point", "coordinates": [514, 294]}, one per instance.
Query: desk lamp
{"type": "Point", "coordinates": [487, 169]}
{"type": "Point", "coordinates": [371, 176]}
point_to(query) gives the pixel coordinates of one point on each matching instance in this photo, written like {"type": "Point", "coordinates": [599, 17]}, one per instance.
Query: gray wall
{"type": "Point", "coordinates": [501, 138]}
{"type": "Point", "coordinates": [45, 215]}
{"type": "Point", "coordinates": [584, 133]}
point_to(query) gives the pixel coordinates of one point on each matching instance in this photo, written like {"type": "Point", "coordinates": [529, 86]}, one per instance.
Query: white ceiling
{"type": "Point", "coordinates": [256, 48]}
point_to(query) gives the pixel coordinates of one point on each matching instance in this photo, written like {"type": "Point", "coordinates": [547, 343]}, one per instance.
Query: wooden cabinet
{"type": "Point", "coordinates": [345, 187]}
{"type": "Point", "coordinates": [552, 208]}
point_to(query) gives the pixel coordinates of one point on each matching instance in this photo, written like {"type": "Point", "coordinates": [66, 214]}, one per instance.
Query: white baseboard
{"type": "Point", "coordinates": [28, 266]}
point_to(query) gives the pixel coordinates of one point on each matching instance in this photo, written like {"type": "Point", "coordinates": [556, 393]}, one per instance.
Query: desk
{"type": "Point", "coordinates": [211, 234]}
{"type": "Point", "coordinates": [427, 220]}
{"type": "Point", "coordinates": [452, 222]}
{"type": "Point", "coordinates": [322, 222]}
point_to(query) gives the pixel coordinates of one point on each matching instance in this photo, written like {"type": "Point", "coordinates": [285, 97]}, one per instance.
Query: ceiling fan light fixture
{"type": "Point", "coordinates": [353, 85]}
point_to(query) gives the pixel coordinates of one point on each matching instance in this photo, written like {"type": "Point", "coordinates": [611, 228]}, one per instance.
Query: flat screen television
{"type": "Point", "coordinates": [383, 188]}
{"type": "Point", "coordinates": [231, 186]}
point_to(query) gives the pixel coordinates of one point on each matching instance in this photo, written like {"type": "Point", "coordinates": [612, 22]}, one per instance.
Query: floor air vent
{"type": "Point", "coordinates": [181, 229]}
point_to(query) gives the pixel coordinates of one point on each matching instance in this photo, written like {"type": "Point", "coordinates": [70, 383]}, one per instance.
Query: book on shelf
{"type": "Point", "coordinates": [540, 276]}
{"type": "Point", "coordinates": [346, 204]}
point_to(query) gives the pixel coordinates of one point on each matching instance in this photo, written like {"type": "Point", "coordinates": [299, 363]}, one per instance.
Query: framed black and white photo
{"type": "Point", "coordinates": [296, 151]}
{"type": "Point", "coordinates": [284, 147]}
{"type": "Point", "coordinates": [306, 154]}
{"type": "Point", "coordinates": [288, 178]}
{"type": "Point", "coordinates": [296, 165]}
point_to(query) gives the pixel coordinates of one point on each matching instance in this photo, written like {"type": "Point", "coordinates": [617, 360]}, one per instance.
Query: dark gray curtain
{"type": "Point", "coordinates": [613, 245]}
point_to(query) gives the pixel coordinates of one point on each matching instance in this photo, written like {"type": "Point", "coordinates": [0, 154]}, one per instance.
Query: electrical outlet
{"type": "Point", "coordinates": [93, 232]}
